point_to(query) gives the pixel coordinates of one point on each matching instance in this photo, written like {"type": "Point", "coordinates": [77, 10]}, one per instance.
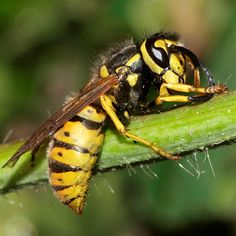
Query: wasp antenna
{"type": "Point", "coordinates": [208, 75]}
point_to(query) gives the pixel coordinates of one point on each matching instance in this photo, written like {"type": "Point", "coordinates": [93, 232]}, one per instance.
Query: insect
{"type": "Point", "coordinates": [118, 88]}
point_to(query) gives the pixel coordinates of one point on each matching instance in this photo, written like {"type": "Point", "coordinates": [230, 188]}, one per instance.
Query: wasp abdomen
{"type": "Point", "coordinates": [72, 155]}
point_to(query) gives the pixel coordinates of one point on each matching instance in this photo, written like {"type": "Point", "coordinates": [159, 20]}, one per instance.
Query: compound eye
{"type": "Point", "coordinates": [160, 57]}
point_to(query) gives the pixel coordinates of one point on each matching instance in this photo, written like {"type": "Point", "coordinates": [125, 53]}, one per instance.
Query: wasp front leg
{"type": "Point", "coordinates": [204, 93]}
{"type": "Point", "coordinates": [108, 107]}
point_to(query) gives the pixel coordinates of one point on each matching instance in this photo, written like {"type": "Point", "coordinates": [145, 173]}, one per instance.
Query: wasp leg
{"type": "Point", "coordinates": [205, 93]}
{"type": "Point", "coordinates": [108, 107]}
{"type": "Point", "coordinates": [196, 77]}
{"type": "Point", "coordinates": [196, 64]}
{"type": "Point", "coordinates": [186, 88]}
{"type": "Point", "coordinates": [181, 98]}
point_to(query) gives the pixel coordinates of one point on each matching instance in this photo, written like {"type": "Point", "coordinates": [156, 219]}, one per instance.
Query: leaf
{"type": "Point", "coordinates": [183, 130]}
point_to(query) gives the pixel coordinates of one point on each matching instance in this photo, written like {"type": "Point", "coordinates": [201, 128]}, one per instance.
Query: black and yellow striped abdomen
{"type": "Point", "coordinates": [72, 155]}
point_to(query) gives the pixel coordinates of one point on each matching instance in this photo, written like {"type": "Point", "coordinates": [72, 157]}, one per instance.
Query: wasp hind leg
{"type": "Point", "coordinates": [108, 107]}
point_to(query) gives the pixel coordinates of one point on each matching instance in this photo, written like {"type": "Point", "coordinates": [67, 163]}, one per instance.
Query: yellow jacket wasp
{"type": "Point", "coordinates": [118, 88]}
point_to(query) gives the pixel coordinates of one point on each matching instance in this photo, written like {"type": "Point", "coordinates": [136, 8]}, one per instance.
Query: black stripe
{"type": "Point", "coordinates": [59, 167]}
{"type": "Point", "coordinates": [158, 54]}
{"type": "Point", "coordinates": [67, 202]}
{"type": "Point", "coordinates": [89, 124]}
{"type": "Point", "coordinates": [97, 107]}
{"type": "Point", "coordinates": [60, 187]}
{"type": "Point", "coordinates": [119, 56]}
{"type": "Point", "coordinates": [57, 143]}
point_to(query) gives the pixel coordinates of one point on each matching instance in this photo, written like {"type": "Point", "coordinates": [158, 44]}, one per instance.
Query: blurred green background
{"type": "Point", "coordinates": [47, 50]}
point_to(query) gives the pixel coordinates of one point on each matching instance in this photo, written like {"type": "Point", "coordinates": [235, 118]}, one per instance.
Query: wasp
{"type": "Point", "coordinates": [119, 88]}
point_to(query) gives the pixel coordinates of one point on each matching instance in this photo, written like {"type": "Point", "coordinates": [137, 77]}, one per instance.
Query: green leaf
{"type": "Point", "coordinates": [182, 130]}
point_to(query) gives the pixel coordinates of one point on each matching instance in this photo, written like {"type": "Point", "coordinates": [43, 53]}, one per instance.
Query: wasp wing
{"type": "Point", "coordinates": [86, 96]}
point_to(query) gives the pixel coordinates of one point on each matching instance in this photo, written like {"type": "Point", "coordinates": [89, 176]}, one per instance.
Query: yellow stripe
{"type": "Point", "coordinates": [73, 158]}
{"type": "Point", "coordinates": [161, 44]}
{"type": "Point", "coordinates": [104, 72]}
{"type": "Point", "coordinates": [70, 178]}
{"type": "Point", "coordinates": [72, 192]}
{"type": "Point", "coordinates": [133, 59]}
{"type": "Point", "coordinates": [80, 136]}
{"type": "Point", "coordinates": [148, 60]}
{"type": "Point", "coordinates": [91, 113]}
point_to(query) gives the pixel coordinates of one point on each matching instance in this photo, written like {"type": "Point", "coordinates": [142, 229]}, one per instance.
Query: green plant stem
{"type": "Point", "coordinates": [183, 131]}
